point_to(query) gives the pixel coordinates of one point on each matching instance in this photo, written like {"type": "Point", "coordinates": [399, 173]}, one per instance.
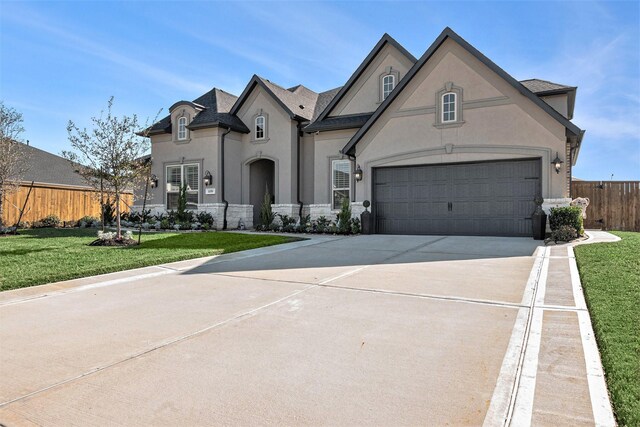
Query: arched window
{"type": "Point", "coordinates": [388, 83]}
{"type": "Point", "coordinates": [449, 107]}
{"type": "Point", "coordinates": [260, 127]}
{"type": "Point", "coordinates": [182, 128]}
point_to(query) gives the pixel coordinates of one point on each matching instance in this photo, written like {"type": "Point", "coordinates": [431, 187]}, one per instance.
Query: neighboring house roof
{"type": "Point", "coordinates": [298, 102]}
{"type": "Point", "coordinates": [449, 33]}
{"type": "Point", "coordinates": [48, 168]}
{"type": "Point", "coordinates": [386, 39]}
{"type": "Point", "coordinates": [538, 86]}
{"type": "Point", "coordinates": [214, 109]}
{"type": "Point", "coordinates": [547, 88]}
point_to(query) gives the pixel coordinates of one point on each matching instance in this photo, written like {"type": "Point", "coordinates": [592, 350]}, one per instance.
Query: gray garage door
{"type": "Point", "coordinates": [488, 198]}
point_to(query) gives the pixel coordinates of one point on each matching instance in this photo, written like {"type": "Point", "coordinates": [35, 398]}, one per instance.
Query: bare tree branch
{"type": "Point", "coordinates": [111, 150]}
{"type": "Point", "coordinates": [13, 158]}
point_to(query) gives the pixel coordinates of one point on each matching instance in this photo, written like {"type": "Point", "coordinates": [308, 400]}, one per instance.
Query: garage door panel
{"type": "Point", "coordinates": [491, 198]}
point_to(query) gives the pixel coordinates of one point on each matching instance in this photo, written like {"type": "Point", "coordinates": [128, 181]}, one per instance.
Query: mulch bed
{"type": "Point", "coordinates": [114, 242]}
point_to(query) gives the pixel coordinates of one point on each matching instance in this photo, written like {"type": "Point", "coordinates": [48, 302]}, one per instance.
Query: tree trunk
{"type": "Point", "coordinates": [118, 228]}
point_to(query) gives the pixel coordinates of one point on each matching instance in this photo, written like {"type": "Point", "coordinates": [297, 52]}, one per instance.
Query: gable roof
{"type": "Point", "coordinates": [49, 168]}
{"type": "Point", "coordinates": [214, 109]}
{"type": "Point", "coordinates": [386, 39]}
{"type": "Point", "coordinates": [298, 102]}
{"type": "Point", "coordinates": [449, 33]}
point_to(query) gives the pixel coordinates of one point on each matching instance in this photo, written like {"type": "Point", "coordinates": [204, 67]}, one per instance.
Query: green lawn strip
{"type": "Point", "coordinates": [610, 275]}
{"type": "Point", "coordinates": [35, 257]}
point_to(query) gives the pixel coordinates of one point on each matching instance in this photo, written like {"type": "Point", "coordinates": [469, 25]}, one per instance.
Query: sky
{"type": "Point", "coordinates": [62, 60]}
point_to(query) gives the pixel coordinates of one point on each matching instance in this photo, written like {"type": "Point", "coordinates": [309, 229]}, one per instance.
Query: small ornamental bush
{"type": "Point", "coordinates": [344, 218]}
{"type": "Point", "coordinates": [565, 233]}
{"type": "Point", "coordinates": [87, 221]}
{"type": "Point", "coordinates": [205, 218]}
{"type": "Point", "coordinates": [108, 211]}
{"type": "Point", "coordinates": [322, 224]}
{"type": "Point", "coordinates": [165, 224]}
{"type": "Point", "coordinates": [356, 227]}
{"type": "Point", "coordinates": [570, 216]}
{"type": "Point", "coordinates": [266, 214]}
{"type": "Point", "coordinates": [51, 221]}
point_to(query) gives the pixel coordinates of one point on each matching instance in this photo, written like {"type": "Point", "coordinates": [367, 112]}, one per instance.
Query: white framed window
{"type": "Point", "coordinates": [182, 128]}
{"type": "Point", "coordinates": [177, 176]}
{"type": "Point", "coordinates": [449, 107]}
{"type": "Point", "coordinates": [260, 122]}
{"type": "Point", "coordinates": [388, 83]}
{"type": "Point", "coordinates": [340, 182]}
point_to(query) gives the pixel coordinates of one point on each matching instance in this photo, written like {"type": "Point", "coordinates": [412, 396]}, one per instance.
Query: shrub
{"type": "Point", "coordinates": [87, 221]}
{"type": "Point", "coordinates": [356, 227]}
{"type": "Point", "coordinates": [165, 224]}
{"type": "Point", "coordinates": [570, 215]}
{"type": "Point", "coordinates": [182, 214]}
{"type": "Point", "coordinates": [108, 211]}
{"type": "Point", "coordinates": [205, 218]}
{"type": "Point", "coordinates": [322, 224]}
{"type": "Point", "coordinates": [124, 216]}
{"type": "Point", "coordinates": [7, 230]}
{"type": "Point", "coordinates": [106, 235]}
{"type": "Point", "coordinates": [564, 233]}
{"type": "Point", "coordinates": [51, 221]}
{"type": "Point", "coordinates": [344, 218]}
{"type": "Point", "coordinates": [266, 214]}
{"type": "Point", "coordinates": [305, 224]}
{"type": "Point", "coordinates": [160, 216]}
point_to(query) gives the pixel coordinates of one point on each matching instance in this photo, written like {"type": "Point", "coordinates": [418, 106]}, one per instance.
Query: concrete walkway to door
{"type": "Point", "coordinates": [389, 330]}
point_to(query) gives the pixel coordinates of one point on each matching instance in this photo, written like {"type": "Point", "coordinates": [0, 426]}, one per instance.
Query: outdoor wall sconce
{"type": "Point", "coordinates": [153, 180]}
{"type": "Point", "coordinates": [557, 163]}
{"type": "Point", "coordinates": [358, 173]}
{"type": "Point", "coordinates": [208, 179]}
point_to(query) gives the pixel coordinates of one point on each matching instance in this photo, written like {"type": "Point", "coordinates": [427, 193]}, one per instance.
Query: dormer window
{"type": "Point", "coordinates": [449, 107]}
{"type": "Point", "coordinates": [260, 122]}
{"type": "Point", "coordinates": [182, 128]}
{"type": "Point", "coordinates": [388, 83]}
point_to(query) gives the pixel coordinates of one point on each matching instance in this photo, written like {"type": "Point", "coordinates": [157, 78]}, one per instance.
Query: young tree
{"type": "Point", "coordinates": [13, 158]}
{"type": "Point", "coordinates": [110, 153]}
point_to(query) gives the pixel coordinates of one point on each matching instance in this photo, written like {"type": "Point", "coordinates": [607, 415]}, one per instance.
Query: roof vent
{"type": "Point", "coordinates": [301, 106]}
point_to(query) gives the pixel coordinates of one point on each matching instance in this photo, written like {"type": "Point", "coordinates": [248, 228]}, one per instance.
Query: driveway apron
{"type": "Point", "coordinates": [407, 330]}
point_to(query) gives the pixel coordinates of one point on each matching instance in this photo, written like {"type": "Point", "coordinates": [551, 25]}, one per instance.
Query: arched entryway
{"type": "Point", "coordinates": [261, 180]}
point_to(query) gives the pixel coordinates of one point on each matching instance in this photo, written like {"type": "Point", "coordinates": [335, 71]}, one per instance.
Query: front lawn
{"type": "Point", "coordinates": [610, 274]}
{"type": "Point", "coordinates": [50, 255]}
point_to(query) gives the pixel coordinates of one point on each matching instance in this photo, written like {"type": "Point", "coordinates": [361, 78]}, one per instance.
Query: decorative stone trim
{"type": "Point", "coordinates": [325, 210]}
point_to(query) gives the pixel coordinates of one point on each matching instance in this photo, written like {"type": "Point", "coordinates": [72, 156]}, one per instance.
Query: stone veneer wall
{"type": "Point", "coordinates": [236, 214]}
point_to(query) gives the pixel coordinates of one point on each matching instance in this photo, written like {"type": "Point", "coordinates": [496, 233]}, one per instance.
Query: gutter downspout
{"type": "Point", "coordinates": [298, 174]}
{"type": "Point", "coordinates": [224, 200]}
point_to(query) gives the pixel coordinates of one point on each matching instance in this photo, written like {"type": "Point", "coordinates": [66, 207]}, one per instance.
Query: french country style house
{"type": "Point", "coordinates": [448, 143]}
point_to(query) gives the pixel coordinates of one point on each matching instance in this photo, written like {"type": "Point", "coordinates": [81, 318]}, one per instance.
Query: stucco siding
{"type": "Point", "coordinates": [364, 96]}
{"type": "Point", "coordinates": [280, 145]}
{"type": "Point", "coordinates": [498, 123]}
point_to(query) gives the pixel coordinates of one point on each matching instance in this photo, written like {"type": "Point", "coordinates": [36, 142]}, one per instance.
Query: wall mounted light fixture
{"type": "Point", "coordinates": [153, 181]}
{"type": "Point", "coordinates": [557, 163]}
{"type": "Point", "coordinates": [208, 179]}
{"type": "Point", "coordinates": [358, 173]}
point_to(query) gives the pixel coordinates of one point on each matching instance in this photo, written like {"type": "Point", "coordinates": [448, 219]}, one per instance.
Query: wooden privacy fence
{"type": "Point", "coordinates": [67, 202]}
{"type": "Point", "coordinates": [613, 205]}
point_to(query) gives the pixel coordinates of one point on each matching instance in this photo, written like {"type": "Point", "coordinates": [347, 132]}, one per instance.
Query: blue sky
{"type": "Point", "coordinates": [63, 60]}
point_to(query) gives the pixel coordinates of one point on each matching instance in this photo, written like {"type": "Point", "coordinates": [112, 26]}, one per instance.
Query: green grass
{"type": "Point", "coordinates": [610, 274]}
{"type": "Point", "coordinates": [48, 255]}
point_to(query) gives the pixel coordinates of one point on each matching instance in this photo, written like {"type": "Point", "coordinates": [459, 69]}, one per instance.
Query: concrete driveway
{"type": "Point", "coordinates": [382, 330]}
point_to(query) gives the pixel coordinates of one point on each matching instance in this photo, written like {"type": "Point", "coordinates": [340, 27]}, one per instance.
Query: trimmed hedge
{"type": "Point", "coordinates": [570, 216]}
